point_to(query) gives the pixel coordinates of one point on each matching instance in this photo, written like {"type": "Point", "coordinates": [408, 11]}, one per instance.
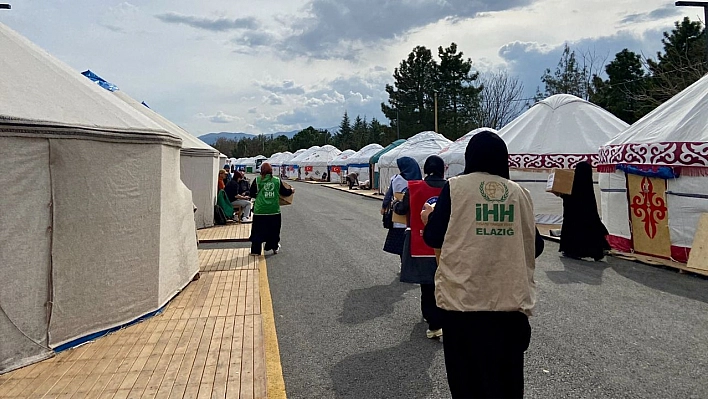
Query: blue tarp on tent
{"type": "Point", "coordinates": [101, 82]}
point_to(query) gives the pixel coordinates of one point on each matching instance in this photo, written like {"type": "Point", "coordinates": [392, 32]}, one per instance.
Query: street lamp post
{"type": "Point", "coordinates": [436, 110]}
{"type": "Point", "coordinates": [703, 4]}
{"type": "Point", "coordinates": [398, 126]}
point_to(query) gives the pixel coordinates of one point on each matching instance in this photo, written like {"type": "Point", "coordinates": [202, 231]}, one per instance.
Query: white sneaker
{"type": "Point", "coordinates": [245, 220]}
{"type": "Point", "coordinates": [434, 333]}
{"type": "Point", "coordinates": [275, 251]}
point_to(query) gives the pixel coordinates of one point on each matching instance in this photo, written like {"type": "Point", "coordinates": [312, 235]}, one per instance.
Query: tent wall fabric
{"type": "Point", "coordinates": [316, 163]}
{"type": "Point", "coordinates": [374, 160]}
{"type": "Point", "coordinates": [276, 162]}
{"type": "Point", "coordinates": [199, 164]}
{"type": "Point", "coordinates": [672, 136]}
{"type": "Point", "coordinates": [557, 132]}
{"type": "Point", "coordinates": [290, 168]}
{"type": "Point", "coordinates": [359, 161]}
{"type": "Point", "coordinates": [418, 147]}
{"type": "Point", "coordinates": [83, 248]}
{"type": "Point", "coordinates": [338, 166]}
{"type": "Point", "coordinates": [296, 171]}
{"type": "Point", "coordinates": [454, 154]}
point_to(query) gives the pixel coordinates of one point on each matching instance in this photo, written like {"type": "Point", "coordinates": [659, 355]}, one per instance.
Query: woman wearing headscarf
{"type": "Point", "coordinates": [583, 234]}
{"type": "Point", "coordinates": [409, 170]}
{"type": "Point", "coordinates": [418, 262]}
{"type": "Point", "coordinates": [267, 220]}
{"type": "Point", "coordinates": [484, 224]}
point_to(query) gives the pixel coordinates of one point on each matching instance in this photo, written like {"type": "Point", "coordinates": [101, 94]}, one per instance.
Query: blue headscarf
{"type": "Point", "coordinates": [410, 170]}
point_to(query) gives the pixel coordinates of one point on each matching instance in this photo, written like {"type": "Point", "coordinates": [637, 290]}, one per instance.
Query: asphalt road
{"type": "Point", "coordinates": [348, 329]}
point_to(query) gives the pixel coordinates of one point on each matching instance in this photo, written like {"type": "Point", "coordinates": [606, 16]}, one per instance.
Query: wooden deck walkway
{"type": "Point", "coordinates": [207, 343]}
{"type": "Point", "coordinates": [232, 231]}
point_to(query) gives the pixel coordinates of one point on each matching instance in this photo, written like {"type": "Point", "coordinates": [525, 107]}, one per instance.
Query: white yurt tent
{"type": "Point", "coordinates": [338, 166]}
{"type": "Point", "coordinates": [290, 170]}
{"type": "Point", "coordinates": [661, 164]}
{"type": "Point", "coordinates": [418, 147]}
{"type": "Point", "coordinates": [83, 247]}
{"type": "Point", "coordinates": [199, 163]}
{"type": "Point", "coordinates": [296, 171]}
{"type": "Point", "coordinates": [454, 154]}
{"type": "Point", "coordinates": [272, 158]}
{"type": "Point", "coordinates": [359, 162]}
{"type": "Point", "coordinates": [558, 132]}
{"type": "Point", "coordinates": [316, 164]}
{"type": "Point", "coordinates": [277, 161]}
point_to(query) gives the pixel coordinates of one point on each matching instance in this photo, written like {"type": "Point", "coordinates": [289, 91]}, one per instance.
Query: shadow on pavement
{"type": "Point", "coordinates": [685, 285]}
{"type": "Point", "coordinates": [578, 272]}
{"type": "Point", "coordinates": [365, 304]}
{"type": "Point", "coordinates": [397, 372]}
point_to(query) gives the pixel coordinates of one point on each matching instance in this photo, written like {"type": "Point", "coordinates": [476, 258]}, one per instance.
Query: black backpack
{"type": "Point", "coordinates": [219, 215]}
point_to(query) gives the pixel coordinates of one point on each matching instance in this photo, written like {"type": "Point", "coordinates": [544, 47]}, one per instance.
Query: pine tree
{"type": "Point", "coordinates": [568, 78]}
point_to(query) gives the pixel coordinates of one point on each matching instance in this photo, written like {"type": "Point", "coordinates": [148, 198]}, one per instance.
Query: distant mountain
{"type": "Point", "coordinates": [210, 138]}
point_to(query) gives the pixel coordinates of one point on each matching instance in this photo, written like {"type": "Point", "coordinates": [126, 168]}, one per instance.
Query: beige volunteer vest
{"type": "Point", "coordinates": [488, 256]}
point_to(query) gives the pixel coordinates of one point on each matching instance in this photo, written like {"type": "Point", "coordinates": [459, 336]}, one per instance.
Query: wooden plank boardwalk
{"type": "Point", "coordinates": [207, 343]}
{"type": "Point", "coordinates": [232, 231]}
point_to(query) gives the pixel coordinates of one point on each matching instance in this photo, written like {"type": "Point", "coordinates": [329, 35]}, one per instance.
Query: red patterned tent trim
{"type": "Point", "coordinates": [668, 153]}
{"type": "Point", "coordinates": [678, 254]}
{"type": "Point", "coordinates": [550, 161]}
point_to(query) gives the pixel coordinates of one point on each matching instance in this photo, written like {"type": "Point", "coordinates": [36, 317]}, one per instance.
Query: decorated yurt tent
{"type": "Point", "coordinates": [359, 161]}
{"type": "Point", "coordinates": [654, 177]}
{"type": "Point", "coordinates": [276, 162]}
{"type": "Point", "coordinates": [557, 132]}
{"type": "Point", "coordinates": [454, 154]}
{"type": "Point", "coordinates": [338, 166]}
{"type": "Point", "coordinates": [374, 161]}
{"type": "Point", "coordinates": [296, 172]}
{"type": "Point", "coordinates": [316, 163]}
{"type": "Point", "coordinates": [199, 163]}
{"type": "Point", "coordinates": [289, 166]}
{"type": "Point", "coordinates": [418, 147]}
{"type": "Point", "coordinates": [83, 247]}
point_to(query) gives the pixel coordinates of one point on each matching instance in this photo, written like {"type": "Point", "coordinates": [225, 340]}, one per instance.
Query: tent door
{"type": "Point", "coordinates": [649, 215]}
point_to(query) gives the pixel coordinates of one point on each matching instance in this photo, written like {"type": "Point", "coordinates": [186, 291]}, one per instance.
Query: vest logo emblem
{"type": "Point", "coordinates": [494, 191]}
{"type": "Point", "coordinates": [269, 186]}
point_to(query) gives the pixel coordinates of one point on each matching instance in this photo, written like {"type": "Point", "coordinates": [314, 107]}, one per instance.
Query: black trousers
{"type": "Point", "coordinates": [431, 312]}
{"type": "Point", "coordinates": [484, 353]}
{"type": "Point", "coordinates": [265, 229]}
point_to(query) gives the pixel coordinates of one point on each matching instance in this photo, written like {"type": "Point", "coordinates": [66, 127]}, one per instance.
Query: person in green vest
{"type": "Point", "coordinates": [267, 190]}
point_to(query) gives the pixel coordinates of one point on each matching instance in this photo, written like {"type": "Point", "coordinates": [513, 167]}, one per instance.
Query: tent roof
{"type": "Point", "coordinates": [418, 147]}
{"type": "Point", "coordinates": [375, 157]}
{"type": "Point", "coordinates": [456, 150]}
{"type": "Point", "coordinates": [558, 132]}
{"type": "Point", "coordinates": [342, 158]}
{"type": "Point", "coordinates": [362, 156]}
{"type": "Point", "coordinates": [322, 156]}
{"type": "Point", "coordinates": [49, 99]}
{"type": "Point", "coordinates": [675, 133]}
{"type": "Point", "coordinates": [281, 157]}
{"type": "Point", "coordinates": [301, 157]}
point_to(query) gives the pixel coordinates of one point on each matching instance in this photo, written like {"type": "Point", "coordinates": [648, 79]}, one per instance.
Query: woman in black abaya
{"type": "Point", "coordinates": [583, 234]}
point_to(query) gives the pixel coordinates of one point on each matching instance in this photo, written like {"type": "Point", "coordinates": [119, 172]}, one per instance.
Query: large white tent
{"type": "Point", "coordinates": [316, 163]}
{"type": "Point", "coordinates": [199, 163]}
{"type": "Point", "coordinates": [338, 166]}
{"type": "Point", "coordinates": [359, 162]}
{"type": "Point", "coordinates": [276, 161]}
{"type": "Point", "coordinates": [295, 171]}
{"type": "Point", "coordinates": [661, 163]}
{"type": "Point", "coordinates": [83, 248]}
{"type": "Point", "coordinates": [418, 147]}
{"type": "Point", "coordinates": [290, 169]}
{"type": "Point", "coordinates": [558, 132]}
{"type": "Point", "coordinates": [454, 154]}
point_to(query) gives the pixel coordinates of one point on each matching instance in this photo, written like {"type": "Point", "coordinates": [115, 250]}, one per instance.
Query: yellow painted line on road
{"type": "Point", "coordinates": [274, 369]}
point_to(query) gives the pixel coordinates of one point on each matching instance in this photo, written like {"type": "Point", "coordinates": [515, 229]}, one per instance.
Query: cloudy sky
{"type": "Point", "coordinates": [279, 65]}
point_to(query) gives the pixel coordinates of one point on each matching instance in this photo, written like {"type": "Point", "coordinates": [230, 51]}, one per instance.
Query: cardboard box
{"type": "Point", "coordinates": [560, 181]}
{"type": "Point", "coordinates": [402, 219]}
{"type": "Point", "coordinates": [286, 200]}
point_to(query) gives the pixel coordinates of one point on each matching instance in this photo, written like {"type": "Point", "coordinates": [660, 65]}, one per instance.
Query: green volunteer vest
{"type": "Point", "coordinates": [268, 197]}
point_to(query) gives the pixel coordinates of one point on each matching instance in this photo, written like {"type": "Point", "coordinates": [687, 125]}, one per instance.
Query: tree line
{"type": "Point", "coordinates": [445, 89]}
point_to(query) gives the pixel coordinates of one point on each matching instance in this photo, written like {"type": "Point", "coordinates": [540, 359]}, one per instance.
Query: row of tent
{"type": "Point", "coordinates": [249, 165]}
{"type": "Point", "coordinates": [85, 249]}
{"type": "Point", "coordinates": [651, 178]}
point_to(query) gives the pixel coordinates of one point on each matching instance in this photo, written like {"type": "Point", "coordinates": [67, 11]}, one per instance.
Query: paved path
{"type": "Point", "coordinates": [348, 329]}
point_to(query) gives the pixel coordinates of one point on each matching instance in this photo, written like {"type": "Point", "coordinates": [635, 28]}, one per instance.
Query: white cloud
{"type": "Point", "coordinates": [220, 117]}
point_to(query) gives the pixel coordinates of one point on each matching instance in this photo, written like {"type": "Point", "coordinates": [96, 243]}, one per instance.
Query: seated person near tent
{"type": "Point", "coordinates": [238, 192]}
{"type": "Point", "coordinates": [221, 181]}
{"type": "Point", "coordinates": [324, 176]}
{"type": "Point", "coordinates": [353, 180]}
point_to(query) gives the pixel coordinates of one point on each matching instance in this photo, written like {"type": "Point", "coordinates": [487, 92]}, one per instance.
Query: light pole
{"type": "Point", "coordinates": [398, 125]}
{"type": "Point", "coordinates": [703, 4]}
